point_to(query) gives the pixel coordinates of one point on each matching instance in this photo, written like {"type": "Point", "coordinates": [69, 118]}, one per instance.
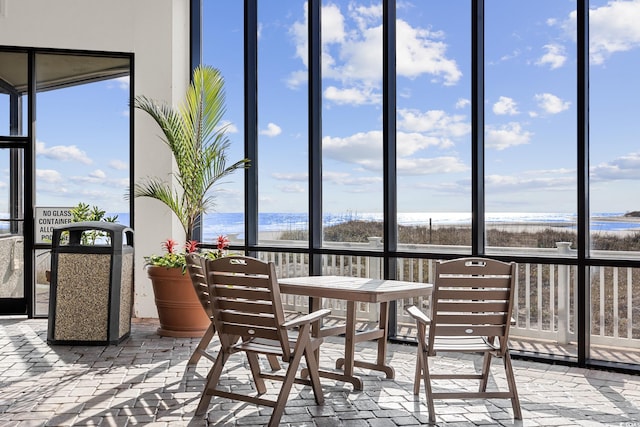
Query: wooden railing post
{"type": "Point", "coordinates": [564, 300]}
{"type": "Point", "coordinates": [374, 262]}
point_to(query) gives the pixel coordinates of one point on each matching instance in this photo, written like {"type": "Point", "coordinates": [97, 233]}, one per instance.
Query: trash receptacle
{"type": "Point", "coordinates": [91, 293]}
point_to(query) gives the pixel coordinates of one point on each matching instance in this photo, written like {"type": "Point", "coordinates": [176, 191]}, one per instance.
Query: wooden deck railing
{"type": "Point", "coordinates": [545, 297]}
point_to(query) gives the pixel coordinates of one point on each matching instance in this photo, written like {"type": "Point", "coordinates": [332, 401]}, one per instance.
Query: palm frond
{"type": "Point", "coordinates": [199, 143]}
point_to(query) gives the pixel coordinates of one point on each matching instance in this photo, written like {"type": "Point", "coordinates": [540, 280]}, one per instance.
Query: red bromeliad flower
{"type": "Point", "coordinates": [222, 242]}
{"type": "Point", "coordinates": [191, 246]}
{"type": "Point", "coordinates": [169, 245]}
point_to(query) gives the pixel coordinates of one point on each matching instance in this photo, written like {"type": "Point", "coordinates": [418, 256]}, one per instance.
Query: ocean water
{"type": "Point", "coordinates": [233, 223]}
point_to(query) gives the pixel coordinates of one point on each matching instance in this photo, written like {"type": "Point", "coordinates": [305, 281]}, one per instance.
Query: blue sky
{"type": "Point", "coordinates": [530, 103]}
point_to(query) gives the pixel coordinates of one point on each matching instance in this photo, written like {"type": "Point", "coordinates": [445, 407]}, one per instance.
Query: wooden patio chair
{"type": "Point", "coordinates": [248, 316]}
{"type": "Point", "coordinates": [196, 269]}
{"type": "Point", "coordinates": [471, 309]}
{"type": "Point", "coordinates": [196, 266]}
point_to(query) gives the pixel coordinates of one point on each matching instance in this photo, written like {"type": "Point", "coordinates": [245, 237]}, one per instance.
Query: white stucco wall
{"type": "Point", "coordinates": [157, 32]}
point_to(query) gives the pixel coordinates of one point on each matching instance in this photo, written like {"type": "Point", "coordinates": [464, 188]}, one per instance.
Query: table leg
{"type": "Point", "coordinates": [350, 339]}
{"type": "Point", "coordinates": [380, 334]}
{"type": "Point", "coordinates": [316, 331]}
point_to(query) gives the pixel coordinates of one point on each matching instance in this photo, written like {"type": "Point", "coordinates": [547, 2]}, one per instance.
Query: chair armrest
{"type": "Point", "coordinates": [307, 318]}
{"type": "Point", "coordinates": [417, 314]}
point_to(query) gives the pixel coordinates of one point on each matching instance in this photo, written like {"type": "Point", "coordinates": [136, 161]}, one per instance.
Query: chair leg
{"type": "Point", "coordinates": [212, 381]}
{"type": "Point", "coordinates": [273, 362]}
{"type": "Point", "coordinates": [511, 381]}
{"type": "Point", "coordinates": [254, 364]}
{"type": "Point", "coordinates": [287, 383]}
{"type": "Point", "coordinates": [427, 387]}
{"type": "Point", "coordinates": [486, 366]}
{"type": "Point", "coordinates": [422, 346]}
{"type": "Point", "coordinates": [418, 375]}
{"type": "Point", "coordinates": [202, 346]}
{"type": "Point", "coordinates": [312, 369]}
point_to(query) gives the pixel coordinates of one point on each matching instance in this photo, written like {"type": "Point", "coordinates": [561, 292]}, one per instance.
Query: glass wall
{"type": "Point", "coordinates": [223, 48]}
{"type": "Point", "coordinates": [530, 125]}
{"type": "Point", "coordinates": [434, 125]}
{"type": "Point", "coordinates": [613, 131]}
{"type": "Point", "coordinates": [283, 123]}
{"type": "Point", "coordinates": [351, 39]}
{"type": "Point", "coordinates": [491, 156]}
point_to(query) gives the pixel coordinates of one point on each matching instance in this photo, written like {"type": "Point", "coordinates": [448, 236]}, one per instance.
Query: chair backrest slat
{"type": "Point", "coordinates": [471, 318]}
{"type": "Point", "coordinates": [251, 331]}
{"type": "Point", "coordinates": [258, 281]}
{"type": "Point", "coordinates": [243, 318]}
{"type": "Point", "coordinates": [471, 330]}
{"type": "Point", "coordinates": [244, 306]}
{"type": "Point", "coordinates": [474, 294]}
{"type": "Point", "coordinates": [469, 306]}
{"type": "Point", "coordinates": [472, 297]}
{"type": "Point", "coordinates": [243, 292]}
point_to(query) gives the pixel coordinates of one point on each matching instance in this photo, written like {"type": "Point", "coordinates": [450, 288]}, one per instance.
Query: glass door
{"type": "Point", "coordinates": [12, 289]}
{"type": "Point", "coordinates": [13, 142]}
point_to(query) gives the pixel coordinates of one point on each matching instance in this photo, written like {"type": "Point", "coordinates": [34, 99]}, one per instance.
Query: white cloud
{"type": "Point", "coordinates": [352, 96]}
{"type": "Point", "coordinates": [292, 188]}
{"type": "Point", "coordinates": [48, 175]}
{"type": "Point", "coordinates": [427, 166]}
{"type": "Point", "coordinates": [506, 136]}
{"type": "Point", "coordinates": [554, 57]}
{"type": "Point", "coordinates": [290, 176]}
{"type": "Point", "coordinates": [63, 153]}
{"type": "Point", "coordinates": [352, 49]}
{"type": "Point", "coordinates": [271, 130]}
{"type": "Point", "coordinates": [123, 82]}
{"type": "Point", "coordinates": [228, 126]}
{"type": "Point", "coordinates": [531, 180]}
{"type": "Point", "coordinates": [118, 165]}
{"type": "Point", "coordinates": [613, 28]}
{"type": "Point", "coordinates": [624, 167]}
{"type": "Point", "coordinates": [462, 103]}
{"type": "Point", "coordinates": [433, 122]}
{"type": "Point", "coordinates": [296, 79]}
{"type": "Point", "coordinates": [421, 51]}
{"type": "Point", "coordinates": [505, 106]}
{"type": "Point", "coordinates": [365, 150]}
{"type": "Point", "coordinates": [343, 178]}
{"type": "Point", "coordinates": [551, 104]}
{"type": "Point", "coordinates": [98, 174]}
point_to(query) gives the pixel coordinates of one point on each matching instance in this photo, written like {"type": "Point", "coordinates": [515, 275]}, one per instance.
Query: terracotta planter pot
{"type": "Point", "coordinates": [179, 310]}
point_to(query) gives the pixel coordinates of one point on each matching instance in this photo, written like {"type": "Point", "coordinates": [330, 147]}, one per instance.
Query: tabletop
{"type": "Point", "coordinates": [353, 288]}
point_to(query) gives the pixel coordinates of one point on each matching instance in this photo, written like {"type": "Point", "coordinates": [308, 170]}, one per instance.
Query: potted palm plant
{"type": "Point", "coordinates": [199, 143]}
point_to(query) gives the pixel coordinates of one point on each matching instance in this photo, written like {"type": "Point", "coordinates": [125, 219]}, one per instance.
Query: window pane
{"type": "Point", "coordinates": [82, 150]}
{"type": "Point", "coordinates": [434, 124]}
{"type": "Point", "coordinates": [614, 128]}
{"type": "Point", "coordinates": [530, 125]}
{"type": "Point", "coordinates": [351, 121]}
{"type": "Point", "coordinates": [283, 122]}
{"type": "Point", "coordinates": [223, 47]}
{"type": "Point", "coordinates": [615, 319]}
{"type": "Point", "coordinates": [13, 93]}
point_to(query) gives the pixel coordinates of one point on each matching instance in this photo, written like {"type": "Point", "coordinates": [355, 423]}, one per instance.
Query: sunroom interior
{"type": "Point", "coordinates": [386, 170]}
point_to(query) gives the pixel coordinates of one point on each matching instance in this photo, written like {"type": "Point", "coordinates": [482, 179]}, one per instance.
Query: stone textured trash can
{"type": "Point", "coordinates": [91, 293]}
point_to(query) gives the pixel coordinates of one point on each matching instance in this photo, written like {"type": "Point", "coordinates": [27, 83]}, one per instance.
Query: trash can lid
{"type": "Point", "coordinates": [75, 230]}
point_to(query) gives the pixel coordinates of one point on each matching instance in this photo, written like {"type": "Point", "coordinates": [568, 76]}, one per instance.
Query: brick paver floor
{"type": "Point", "coordinates": [145, 381]}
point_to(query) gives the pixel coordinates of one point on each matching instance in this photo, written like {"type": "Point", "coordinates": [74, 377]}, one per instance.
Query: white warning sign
{"type": "Point", "coordinates": [47, 218]}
